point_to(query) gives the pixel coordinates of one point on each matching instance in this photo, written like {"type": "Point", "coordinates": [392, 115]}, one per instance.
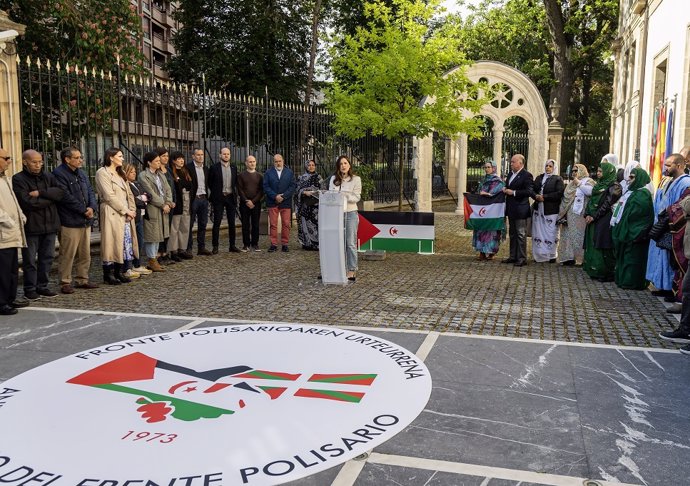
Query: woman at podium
{"type": "Point", "coordinates": [350, 186]}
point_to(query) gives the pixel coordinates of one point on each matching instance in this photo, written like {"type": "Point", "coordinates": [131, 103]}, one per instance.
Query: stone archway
{"type": "Point", "coordinates": [517, 96]}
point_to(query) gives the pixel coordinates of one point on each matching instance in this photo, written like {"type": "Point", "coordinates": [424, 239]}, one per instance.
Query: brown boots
{"type": "Point", "coordinates": [154, 266]}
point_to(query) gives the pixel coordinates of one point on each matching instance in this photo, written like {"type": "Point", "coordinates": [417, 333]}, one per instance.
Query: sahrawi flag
{"type": "Point", "coordinates": [485, 213]}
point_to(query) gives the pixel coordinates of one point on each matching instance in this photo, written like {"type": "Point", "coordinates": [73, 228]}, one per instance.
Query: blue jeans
{"type": "Point", "coordinates": [351, 225]}
{"type": "Point", "coordinates": [199, 211]}
{"type": "Point", "coordinates": [37, 259]}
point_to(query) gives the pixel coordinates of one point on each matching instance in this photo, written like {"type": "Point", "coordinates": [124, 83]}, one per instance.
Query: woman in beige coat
{"type": "Point", "coordinates": [117, 213]}
{"type": "Point", "coordinates": [156, 228]}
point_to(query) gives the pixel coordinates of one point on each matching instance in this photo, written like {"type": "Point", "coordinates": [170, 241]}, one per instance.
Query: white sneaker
{"type": "Point", "coordinates": [132, 274]}
{"type": "Point", "coordinates": [142, 271]}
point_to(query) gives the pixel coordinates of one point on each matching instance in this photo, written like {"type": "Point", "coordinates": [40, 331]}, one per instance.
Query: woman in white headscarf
{"type": "Point", "coordinates": [633, 164]}
{"type": "Point", "coordinates": [572, 216]}
{"type": "Point", "coordinates": [548, 188]}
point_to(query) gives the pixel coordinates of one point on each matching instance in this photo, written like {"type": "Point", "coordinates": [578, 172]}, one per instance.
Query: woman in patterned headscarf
{"type": "Point", "coordinates": [571, 216]}
{"type": "Point", "coordinates": [631, 221]}
{"type": "Point", "coordinates": [600, 261]}
{"type": "Point", "coordinates": [486, 242]}
{"type": "Point", "coordinates": [548, 188]}
{"type": "Point", "coordinates": [307, 207]}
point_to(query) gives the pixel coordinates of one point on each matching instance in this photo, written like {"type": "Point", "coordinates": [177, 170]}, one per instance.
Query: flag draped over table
{"type": "Point", "coordinates": [485, 213]}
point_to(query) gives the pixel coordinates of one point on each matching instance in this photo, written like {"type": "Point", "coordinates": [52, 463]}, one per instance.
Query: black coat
{"type": "Point", "coordinates": [517, 206]}
{"type": "Point", "coordinates": [191, 168]}
{"type": "Point", "coordinates": [552, 191]}
{"type": "Point", "coordinates": [137, 192]}
{"type": "Point", "coordinates": [41, 212]}
{"type": "Point", "coordinates": [77, 198]}
{"type": "Point", "coordinates": [215, 182]}
{"type": "Point", "coordinates": [602, 217]}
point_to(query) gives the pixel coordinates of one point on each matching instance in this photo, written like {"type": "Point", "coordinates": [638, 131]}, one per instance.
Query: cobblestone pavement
{"type": "Point", "coordinates": [448, 291]}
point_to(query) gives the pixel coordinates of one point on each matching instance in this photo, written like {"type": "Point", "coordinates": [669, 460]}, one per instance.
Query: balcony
{"type": "Point", "coordinates": [159, 42]}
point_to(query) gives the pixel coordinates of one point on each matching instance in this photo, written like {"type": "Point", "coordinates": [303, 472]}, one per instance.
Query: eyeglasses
{"type": "Point", "coordinates": [77, 157]}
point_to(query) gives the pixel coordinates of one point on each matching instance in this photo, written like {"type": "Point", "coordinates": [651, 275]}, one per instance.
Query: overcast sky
{"type": "Point", "coordinates": [452, 6]}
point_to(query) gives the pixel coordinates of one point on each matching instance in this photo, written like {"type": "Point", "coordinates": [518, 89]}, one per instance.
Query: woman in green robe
{"type": "Point", "coordinates": [600, 261]}
{"type": "Point", "coordinates": [631, 221]}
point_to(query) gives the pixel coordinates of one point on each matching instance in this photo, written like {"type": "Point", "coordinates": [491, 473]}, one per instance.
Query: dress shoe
{"type": "Point", "coordinates": [86, 285]}
{"type": "Point", "coordinates": [234, 249]}
{"type": "Point", "coordinates": [46, 293]}
{"type": "Point", "coordinates": [508, 260]}
{"type": "Point", "coordinates": [67, 289]}
{"type": "Point", "coordinates": [215, 250]}
{"type": "Point", "coordinates": [520, 263]}
{"type": "Point", "coordinates": [272, 249]}
{"type": "Point", "coordinates": [676, 308]}
{"type": "Point", "coordinates": [175, 257]}
{"type": "Point", "coordinates": [7, 310]}
{"type": "Point", "coordinates": [31, 295]}
{"type": "Point", "coordinates": [185, 255]}
{"type": "Point", "coordinates": [204, 252]}
{"type": "Point", "coordinates": [19, 303]}
{"type": "Point", "coordinates": [285, 249]}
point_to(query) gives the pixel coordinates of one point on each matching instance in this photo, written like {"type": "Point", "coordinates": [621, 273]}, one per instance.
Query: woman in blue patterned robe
{"type": "Point", "coordinates": [486, 242]}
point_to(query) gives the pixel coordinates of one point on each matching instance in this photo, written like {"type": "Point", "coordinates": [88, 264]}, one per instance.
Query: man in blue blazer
{"type": "Point", "coordinates": [199, 202]}
{"type": "Point", "coordinates": [222, 182]}
{"type": "Point", "coordinates": [279, 186]}
{"type": "Point", "coordinates": [519, 188]}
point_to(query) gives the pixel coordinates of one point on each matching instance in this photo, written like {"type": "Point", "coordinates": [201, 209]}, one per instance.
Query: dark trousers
{"type": "Point", "coordinates": [37, 258]}
{"type": "Point", "coordinates": [517, 231]}
{"type": "Point", "coordinates": [250, 224]}
{"type": "Point", "coordinates": [9, 275]}
{"type": "Point", "coordinates": [140, 242]}
{"type": "Point", "coordinates": [229, 205]}
{"type": "Point", "coordinates": [198, 212]}
{"type": "Point", "coordinates": [163, 245]}
{"type": "Point", "coordinates": [685, 312]}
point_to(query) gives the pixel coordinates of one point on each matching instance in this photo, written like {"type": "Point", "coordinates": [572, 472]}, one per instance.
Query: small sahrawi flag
{"type": "Point", "coordinates": [485, 213]}
{"type": "Point", "coordinates": [393, 231]}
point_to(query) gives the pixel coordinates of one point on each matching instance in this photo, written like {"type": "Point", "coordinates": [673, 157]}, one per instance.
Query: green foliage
{"type": "Point", "coordinates": [366, 173]}
{"type": "Point", "coordinates": [515, 32]}
{"type": "Point", "coordinates": [383, 72]}
{"type": "Point", "coordinates": [88, 33]}
{"type": "Point", "coordinates": [244, 47]}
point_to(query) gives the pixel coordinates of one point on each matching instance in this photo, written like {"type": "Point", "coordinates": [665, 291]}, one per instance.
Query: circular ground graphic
{"type": "Point", "coordinates": [239, 404]}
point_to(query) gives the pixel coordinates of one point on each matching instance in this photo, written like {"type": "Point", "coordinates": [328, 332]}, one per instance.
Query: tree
{"type": "Point", "coordinates": [90, 33]}
{"type": "Point", "coordinates": [383, 71]}
{"type": "Point", "coordinates": [562, 45]}
{"type": "Point", "coordinates": [245, 47]}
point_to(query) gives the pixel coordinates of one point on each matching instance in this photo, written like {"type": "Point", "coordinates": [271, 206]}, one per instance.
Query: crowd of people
{"type": "Point", "coordinates": [618, 227]}
{"type": "Point", "coordinates": [146, 216]}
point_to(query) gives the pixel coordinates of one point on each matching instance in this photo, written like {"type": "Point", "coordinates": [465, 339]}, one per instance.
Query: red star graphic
{"type": "Point", "coordinates": [189, 389]}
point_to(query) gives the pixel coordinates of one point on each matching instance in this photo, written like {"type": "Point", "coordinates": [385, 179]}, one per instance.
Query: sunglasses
{"type": "Point", "coordinates": [6, 158]}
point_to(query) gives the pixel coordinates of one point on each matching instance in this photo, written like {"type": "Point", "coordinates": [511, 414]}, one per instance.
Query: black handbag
{"type": "Point", "coordinates": [661, 227]}
{"type": "Point", "coordinates": [666, 241]}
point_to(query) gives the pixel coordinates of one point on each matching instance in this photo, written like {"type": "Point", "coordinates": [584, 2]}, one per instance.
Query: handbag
{"type": "Point", "coordinates": [666, 241]}
{"type": "Point", "coordinates": [660, 227]}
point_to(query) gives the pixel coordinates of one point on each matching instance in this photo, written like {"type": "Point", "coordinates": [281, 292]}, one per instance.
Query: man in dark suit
{"type": "Point", "coordinates": [199, 197]}
{"type": "Point", "coordinates": [519, 188]}
{"type": "Point", "coordinates": [222, 182]}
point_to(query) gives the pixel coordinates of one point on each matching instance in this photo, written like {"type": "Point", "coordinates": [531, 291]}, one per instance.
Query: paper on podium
{"type": "Point", "coordinates": [332, 237]}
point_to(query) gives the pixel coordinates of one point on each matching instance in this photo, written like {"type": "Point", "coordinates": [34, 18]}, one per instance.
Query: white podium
{"type": "Point", "coordinates": [332, 237]}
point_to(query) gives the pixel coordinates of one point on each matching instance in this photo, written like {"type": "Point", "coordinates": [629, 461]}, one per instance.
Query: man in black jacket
{"type": "Point", "coordinates": [199, 202]}
{"type": "Point", "coordinates": [37, 193]}
{"type": "Point", "coordinates": [77, 210]}
{"type": "Point", "coordinates": [519, 188]}
{"type": "Point", "coordinates": [222, 182]}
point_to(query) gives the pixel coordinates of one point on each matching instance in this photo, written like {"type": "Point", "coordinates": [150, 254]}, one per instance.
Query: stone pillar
{"type": "Point", "coordinates": [10, 117]}
{"type": "Point", "coordinates": [461, 146]}
{"type": "Point", "coordinates": [423, 168]}
{"type": "Point", "coordinates": [555, 134]}
{"type": "Point", "coordinates": [498, 146]}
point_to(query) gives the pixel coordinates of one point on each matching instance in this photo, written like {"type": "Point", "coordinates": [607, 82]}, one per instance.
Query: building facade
{"type": "Point", "coordinates": [652, 69]}
{"type": "Point", "coordinates": [158, 25]}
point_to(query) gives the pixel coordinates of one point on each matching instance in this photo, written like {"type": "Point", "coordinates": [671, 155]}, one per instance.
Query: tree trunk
{"type": "Point", "coordinates": [401, 160]}
{"type": "Point", "coordinates": [310, 71]}
{"type": "Point", "coordinates": [562, 65]}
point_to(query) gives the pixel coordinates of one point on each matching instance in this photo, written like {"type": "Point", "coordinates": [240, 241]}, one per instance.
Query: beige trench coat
{"type": "Point", "coordinates": [12, 218]}
{"type": "Point", "coordinates": [115, 200]}
{"type": "Point", "coordinates": [156, 224]}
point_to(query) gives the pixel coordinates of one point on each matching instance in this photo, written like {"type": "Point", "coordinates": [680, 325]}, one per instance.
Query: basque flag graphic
{"type": "Point", "coordinates": [485, 213]}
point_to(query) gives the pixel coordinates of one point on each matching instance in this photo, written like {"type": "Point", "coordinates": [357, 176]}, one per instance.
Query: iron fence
{"type": "Point", "coordinates": [69, 105]}
{"type": "Point", "coordinates": [583, 149]}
